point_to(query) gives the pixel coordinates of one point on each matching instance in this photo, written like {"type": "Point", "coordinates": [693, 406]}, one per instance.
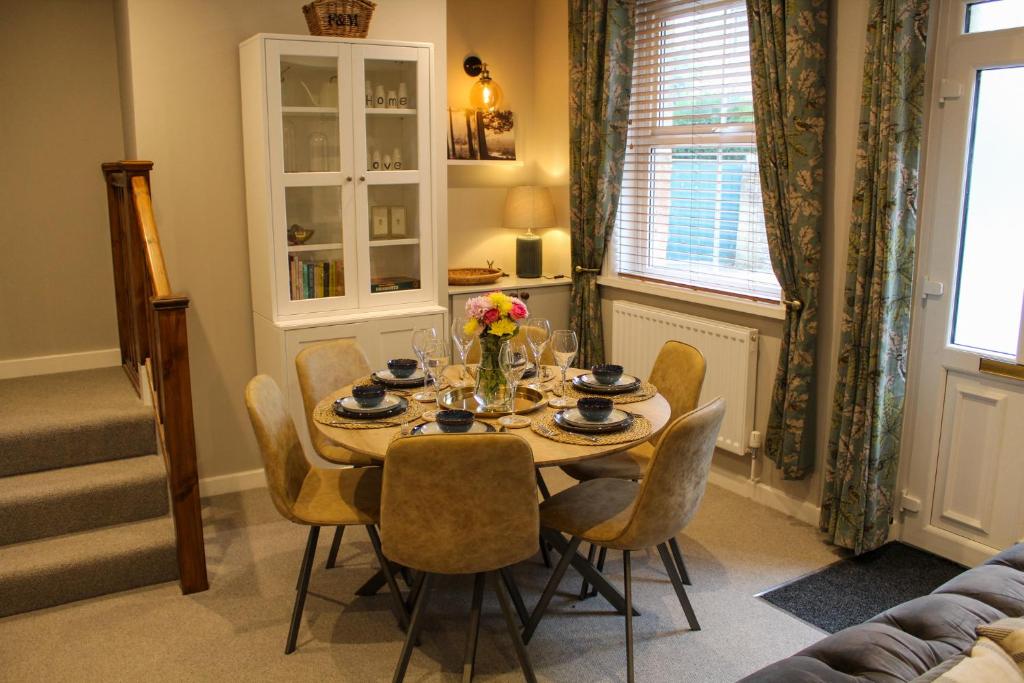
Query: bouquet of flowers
{"type": "Point", "coordinates": [495, 314]}
{"type": "Point", "coordinates": [495, 317]}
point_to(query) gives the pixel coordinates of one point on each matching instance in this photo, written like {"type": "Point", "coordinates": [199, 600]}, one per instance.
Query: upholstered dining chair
{"type": "Point", "coordinates": [312, 496]}
{"type": "Point", "coordinates": [461, 504]}
{"type": "Point", "coordinates": [628, 516]}
{"type": "Point", "coordinates": [322, 369]}
{"type": "Point", "coordinates": [678, 373]}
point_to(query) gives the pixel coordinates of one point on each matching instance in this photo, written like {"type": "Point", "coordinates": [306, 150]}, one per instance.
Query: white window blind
{"type": "Point", "coordinates": [690, 210]}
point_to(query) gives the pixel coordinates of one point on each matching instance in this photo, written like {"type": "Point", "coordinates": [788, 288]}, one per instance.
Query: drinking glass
{"type": "Point", "coordinates": [436, 357]}
{"type": "Point", "coordinates": [538, 334]}
{"type": "Point", "coordinates": [512, 361]}
{"type": "Point", "coordinates": [421, 337]}
{"type": "Point", "coordinates": [564, 346]}
{"type": "Point", "coordinates": [462, 341]}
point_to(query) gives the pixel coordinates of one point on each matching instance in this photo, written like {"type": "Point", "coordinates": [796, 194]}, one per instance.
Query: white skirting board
{"type": "Point", "coordinates": [763, 494]}
{"type": "Point", "coordinates": [61, 362]}
{"type": "Point", "coordinates": [232, 483]}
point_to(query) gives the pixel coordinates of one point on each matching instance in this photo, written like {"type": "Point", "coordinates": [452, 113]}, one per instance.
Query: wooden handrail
{"type": "Point", "coordinates": [152, 329]}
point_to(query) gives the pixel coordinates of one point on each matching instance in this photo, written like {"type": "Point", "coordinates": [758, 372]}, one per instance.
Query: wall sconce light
{"type": "Point", "coordinates": [485, 94]}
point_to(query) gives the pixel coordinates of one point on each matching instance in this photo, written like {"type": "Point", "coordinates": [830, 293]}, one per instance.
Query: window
{"type": "Point", "coordinates": [993, 15]}
{"type": "Point", "coordinates": [690, 211]}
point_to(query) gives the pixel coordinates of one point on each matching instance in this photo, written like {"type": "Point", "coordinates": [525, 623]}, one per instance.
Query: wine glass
{"type": "Point", "coordinates": [436, 356]}
{"type": "Point", "coordinates": [421, 337]}
{"type": "Point", "coordinates": [538, 334]}
{"type": "Point", "coordinates": [462, 341]}
{"type": "Point", "coordinates": [512, 361]}
{"type": "Point", "coordinates": [564, 346]}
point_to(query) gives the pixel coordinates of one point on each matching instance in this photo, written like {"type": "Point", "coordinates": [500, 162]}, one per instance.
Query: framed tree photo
{"type": "Point", "coordinates": [475, 135]}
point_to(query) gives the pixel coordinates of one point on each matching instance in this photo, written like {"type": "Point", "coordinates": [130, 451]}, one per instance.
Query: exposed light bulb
{"type": "Point", "coordinates": [485, 94]}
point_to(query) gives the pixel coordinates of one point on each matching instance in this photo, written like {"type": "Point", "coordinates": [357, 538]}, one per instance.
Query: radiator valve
{"type": "Point", "coordinates": [755, 440]}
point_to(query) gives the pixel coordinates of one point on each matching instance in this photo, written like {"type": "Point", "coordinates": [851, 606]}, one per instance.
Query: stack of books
{"type": "Point", "coordinates": [315, 279]}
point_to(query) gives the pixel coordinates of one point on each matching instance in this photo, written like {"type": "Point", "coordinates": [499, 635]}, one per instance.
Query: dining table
{"type": "Point", "coordinates": [547, 452]}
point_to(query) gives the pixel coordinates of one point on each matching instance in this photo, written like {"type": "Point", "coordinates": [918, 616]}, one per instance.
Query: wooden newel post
{"type": "Point", "coordinates": [175, 402]}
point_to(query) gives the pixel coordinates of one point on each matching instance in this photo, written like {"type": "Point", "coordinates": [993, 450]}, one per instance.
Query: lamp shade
{"type": "Point", "coordinates": [528, 207]}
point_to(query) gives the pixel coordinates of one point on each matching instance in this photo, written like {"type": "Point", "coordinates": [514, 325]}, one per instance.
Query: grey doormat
{"type": "Point", "coordinates": [855, 589]}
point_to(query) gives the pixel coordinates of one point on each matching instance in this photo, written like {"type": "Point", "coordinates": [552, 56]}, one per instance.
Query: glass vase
{"type": "Point", "coordinates": [492, 390]}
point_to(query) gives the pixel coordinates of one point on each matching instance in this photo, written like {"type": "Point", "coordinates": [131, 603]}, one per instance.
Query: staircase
{"type": "Point", "coordinates": [83, 494]}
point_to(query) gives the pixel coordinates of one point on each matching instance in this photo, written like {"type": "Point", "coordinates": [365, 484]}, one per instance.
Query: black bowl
{"type": "Point", "coordinates": [454, 421]}
{"type": "Point", "coordinates": [594, 408]}
{"type": "Point", "coordinates": [368, 395]}
{"type": "Point", "coordinates": [402, 367]}
{"type": "Point", "coordinates": [607, 374]}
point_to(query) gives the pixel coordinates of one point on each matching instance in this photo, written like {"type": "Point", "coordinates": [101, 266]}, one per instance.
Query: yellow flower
{"type": "Point", "coordinates": [503, 302]}
{"type": "Point", "coordinates": [503, 327]}
{"type": "Point", "coordinates": [470, 326]}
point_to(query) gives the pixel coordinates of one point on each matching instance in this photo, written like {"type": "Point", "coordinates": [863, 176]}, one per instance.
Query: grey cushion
{"type": "Point", "coordinates": [910, 639]}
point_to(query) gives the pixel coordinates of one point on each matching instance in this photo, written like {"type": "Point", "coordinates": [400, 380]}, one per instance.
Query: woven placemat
{"type": "Point", "coordinates": [324, 414]}
{"type": "Point", "coordinates": [546, 427]}
{"type": "Point", "coordinates": [398, 391]}
{"type": "Point", "coordinates": [645, 391]}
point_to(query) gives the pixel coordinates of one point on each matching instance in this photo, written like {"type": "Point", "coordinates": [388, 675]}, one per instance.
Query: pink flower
{"type": "Point", "coordinates": [491, 316]}
{"type": "Point", "coordinates": [518, 311]}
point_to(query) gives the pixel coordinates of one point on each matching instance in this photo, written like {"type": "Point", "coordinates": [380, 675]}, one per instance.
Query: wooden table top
{"type": "Point", "coordinates": [546, 453]}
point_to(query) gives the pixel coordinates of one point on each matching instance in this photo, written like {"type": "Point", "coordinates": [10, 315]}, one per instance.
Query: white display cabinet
{"type": "Point", "coordinates": [342, 197]}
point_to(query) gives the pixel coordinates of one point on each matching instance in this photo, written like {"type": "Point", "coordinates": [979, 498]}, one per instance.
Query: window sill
{"type": "Point", "coordinates": [723, 301]}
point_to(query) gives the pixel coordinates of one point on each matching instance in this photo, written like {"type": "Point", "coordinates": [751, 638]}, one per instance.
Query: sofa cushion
{"type": "Point", "coordinates": [987, 663]}
{"type": "Point", "coordinates": [1009, 635]}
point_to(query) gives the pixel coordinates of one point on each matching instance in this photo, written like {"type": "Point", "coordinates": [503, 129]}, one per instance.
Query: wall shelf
{"type": "Point", "coordinates": [512, 163]}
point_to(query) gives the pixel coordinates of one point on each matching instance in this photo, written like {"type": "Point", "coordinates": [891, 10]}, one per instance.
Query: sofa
{"type": "Point", "coordinates": [914, 638]}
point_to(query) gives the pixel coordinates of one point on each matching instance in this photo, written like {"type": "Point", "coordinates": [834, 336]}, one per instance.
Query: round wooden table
{"type": "Point", "coordinates": [546, 452]}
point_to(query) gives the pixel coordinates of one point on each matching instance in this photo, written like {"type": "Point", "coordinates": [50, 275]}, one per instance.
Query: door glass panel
{"type": "Point", "coordinates": [994, 15]}
{"type": "Point", "coordinates": [391, 100]}
{"type": "Point", "coordinates": [309, 110]}
{"type": "Point", "coordinates": [394, 237]}
{"type": "Point", "coordinates": [991, 278]}
{"type": "Point", "coordinates": [315, 244]}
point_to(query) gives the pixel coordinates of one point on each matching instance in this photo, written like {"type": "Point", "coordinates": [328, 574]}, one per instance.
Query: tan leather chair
{"type": "Point", "coordinates": [626, 515]}
{"type": "Point", "coordinates": [678, 373]}
{"type": "Point", "coordinates": [310, 495]}
{"type": "Point", "coordinates": [323, 369]}
{"type": "Point", "coordinates": [460, 504]}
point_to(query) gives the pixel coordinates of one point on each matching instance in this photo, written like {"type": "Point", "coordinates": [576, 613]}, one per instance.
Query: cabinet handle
{"type": "Point", "coordinates": [362, 179]}
{"type": "Point", "coordinates": [348, 179]}
{"type": "Point", "coordinates": [525, 296]}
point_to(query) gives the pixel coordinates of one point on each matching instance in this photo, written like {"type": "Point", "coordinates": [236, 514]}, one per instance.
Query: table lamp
{"type": "Point", "coordinates": [529, 207]}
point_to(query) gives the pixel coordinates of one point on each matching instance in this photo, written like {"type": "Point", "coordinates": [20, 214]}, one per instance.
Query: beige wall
{"type": "Point", "coordinates": [525, 45]}
{"type": "Point", "coordinates": [846, 48]}
{"type": "Point", "coordinates": [58, 121]}
{"type": "Point", "coordinates": [185, 105]}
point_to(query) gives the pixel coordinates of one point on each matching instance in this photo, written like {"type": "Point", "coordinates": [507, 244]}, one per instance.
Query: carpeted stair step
{"type": "Point", "coordinates": [70, 419]}
{"type": "Point", "coordinates": [69, 499]}
{"type": "Point", "coordinates": [53, 571]}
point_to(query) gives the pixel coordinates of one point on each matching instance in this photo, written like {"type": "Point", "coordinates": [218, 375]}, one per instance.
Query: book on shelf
{"type": "Point", "coordinates": [393, 284]}
{"type": "Point", "coordinates": [315, 278]}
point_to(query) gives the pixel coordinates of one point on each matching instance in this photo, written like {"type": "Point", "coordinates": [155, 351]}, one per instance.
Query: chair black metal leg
{"type": "Point", "coordinates": [300, 596]}
{"type": "Point", "coordinates": [544, 493]}
{"type": "Point", "coordinates": [600, 567]}
{"type": "Point", "coordinates": [414, 627]}
{"type": "Point", "coordinates": [544, 554]}
{"type": "Point", "coordinates": [677, 583]}
{"type": "Point", "coordinates": [549, 590]}
{"type": "Point", "coordinates": [332, 557]}
{"type": "Point", "coordinates": [628, 581]}
{"type": "Point", "coordinates": [469, 658]}
{"type": "Point", "coordinates": [677, 554]}
{"type": "Point", "coordinates": [517, 597]}
{"type": "Point", "coordinates": [414, 592]}
{"type": "Point", "coordinates": [580, 564]}
{"type": "Point", "coordinates": [513, 632]}
{"type": "Point", "coordinates": [585, 586]}
{"type": "Point", "coordinates": [397, 606]}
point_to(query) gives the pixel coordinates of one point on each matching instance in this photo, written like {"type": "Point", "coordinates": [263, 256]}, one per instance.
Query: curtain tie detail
{"type": "Point", "coordinates": [581, 269]}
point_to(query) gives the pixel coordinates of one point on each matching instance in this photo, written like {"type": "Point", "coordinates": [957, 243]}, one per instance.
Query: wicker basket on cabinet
{"type": "Point", "coordinates": [344, 18]}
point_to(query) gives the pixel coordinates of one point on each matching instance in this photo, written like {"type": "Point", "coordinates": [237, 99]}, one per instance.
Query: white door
{"type": "Point", "coordinates": [963, 493]}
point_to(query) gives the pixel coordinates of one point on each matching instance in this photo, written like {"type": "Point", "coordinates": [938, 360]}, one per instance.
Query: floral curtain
{"type": "Point", "coordinates": [600, 70]}
{"type": "Point", "coordinates": [788, 59]}
{"type": "Point", "coordinates": [867, 412]}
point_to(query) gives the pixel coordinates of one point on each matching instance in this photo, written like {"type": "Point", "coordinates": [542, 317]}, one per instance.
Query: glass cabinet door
{"type": "Point", "coordinates": [391, 151]}
{"type": "Point", "coordinates": [309, 92]}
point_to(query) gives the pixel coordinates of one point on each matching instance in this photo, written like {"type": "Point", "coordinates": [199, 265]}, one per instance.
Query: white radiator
{"type": "Point", "coordinates": [638, 333]}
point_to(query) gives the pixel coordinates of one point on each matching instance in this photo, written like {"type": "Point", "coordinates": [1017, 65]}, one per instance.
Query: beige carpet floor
{"type": "Point", "coordinates": [236, 630]}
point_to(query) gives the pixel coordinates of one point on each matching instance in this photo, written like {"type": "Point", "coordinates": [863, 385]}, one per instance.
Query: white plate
{"type": "Point", "coordinates": [573, 416]}
{"type": "Point", "coordinates": [623, 381]}
{"type": "Point", "coordinates": [388, 376]}
{"type": "Point", "coordinates": [434, 428]}
{"type": "Point", "coordinates": [390, 401]}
